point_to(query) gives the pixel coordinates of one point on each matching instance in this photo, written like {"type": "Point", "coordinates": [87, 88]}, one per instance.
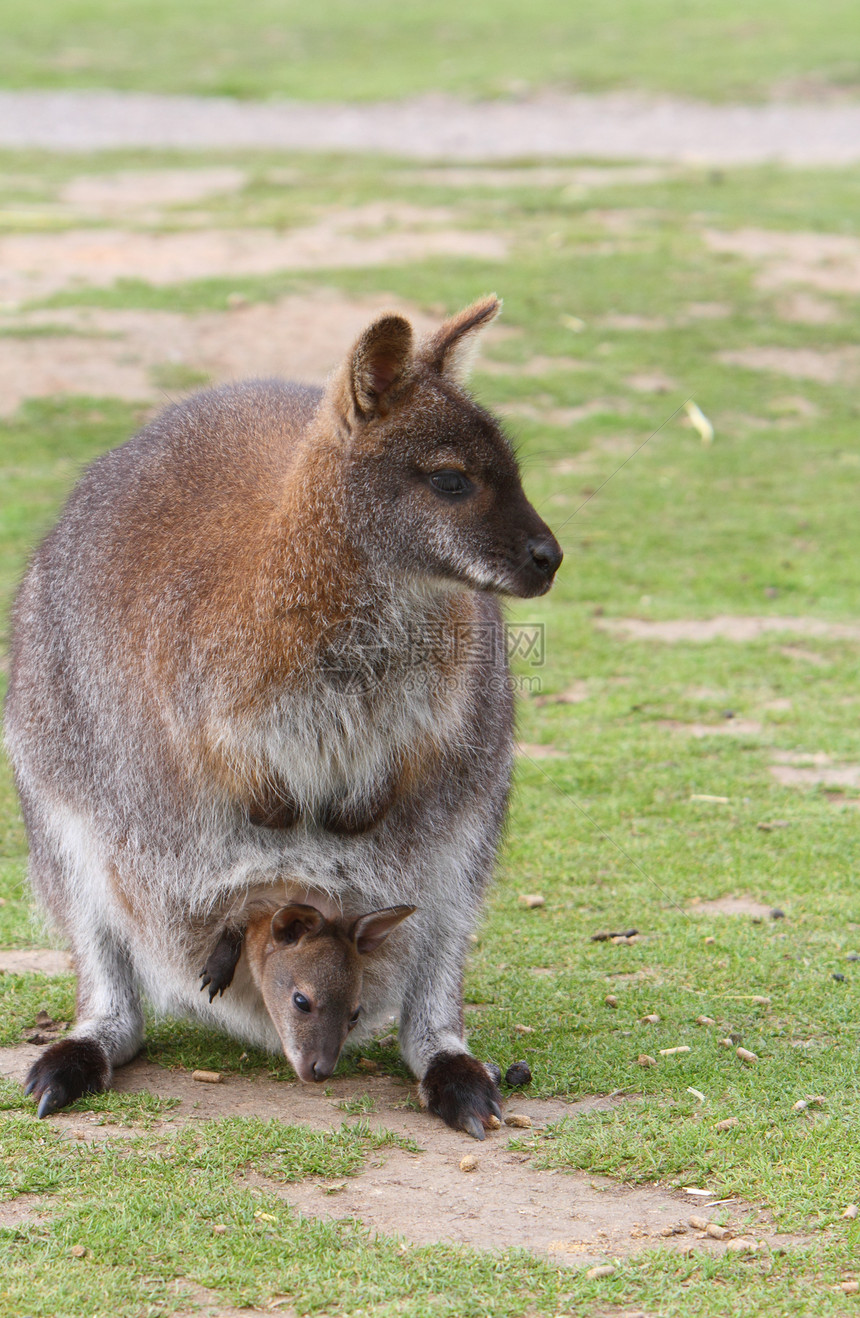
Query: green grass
{"type": "Point", "coordinates": [379, 50]}
{"type": "Point", "coordinates": [762, 522]}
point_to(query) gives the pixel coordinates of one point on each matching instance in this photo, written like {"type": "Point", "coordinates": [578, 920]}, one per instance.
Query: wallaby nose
{"type": "Point", "coordinates": [546, 555]}
{"type": "Point", "coordinates": [322, 1069]}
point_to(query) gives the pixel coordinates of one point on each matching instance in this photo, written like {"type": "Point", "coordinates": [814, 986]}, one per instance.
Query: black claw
{"type": "Point", "coordinates": [50, 1103]}
{"type": "Point", "coordinates": [496, 1110]}
{"type": "Point", "coordinates": [472, 1126]}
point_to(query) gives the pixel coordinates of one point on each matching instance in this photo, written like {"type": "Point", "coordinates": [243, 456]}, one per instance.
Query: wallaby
{"type": "Point", "coordinates": [265, 638]}
{"type": "Point", "coordinates": [310, 972]}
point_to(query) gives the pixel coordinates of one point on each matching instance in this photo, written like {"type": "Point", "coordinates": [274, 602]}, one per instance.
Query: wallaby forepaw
{"type": "Point", "coordinates": [217, 974]}
{"type": "Point", "coordinates": [458, 1088]}
{"type": "Point", "coordinates": [66, 1071]}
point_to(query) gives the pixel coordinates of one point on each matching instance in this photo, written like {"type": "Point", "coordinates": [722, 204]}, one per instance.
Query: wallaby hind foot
{"type": "Point", "coordinates": [458, 1088]}
{"type": "Point", "coordinates": [65, 1072]}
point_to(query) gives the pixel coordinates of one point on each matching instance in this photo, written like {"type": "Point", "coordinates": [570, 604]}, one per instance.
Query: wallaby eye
{"type": "Point", "coordinates": [300, 1001]}
{"type": "Point", "coordinates": [353, 1020]}
{"type": "Point", "coordinates": [452, 483]}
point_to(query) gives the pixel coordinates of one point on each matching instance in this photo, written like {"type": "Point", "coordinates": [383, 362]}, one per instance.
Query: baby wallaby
{"type": "Point", "coordinates": [310, 973]}
{"type": "Point", "coordinates": [265, 637]}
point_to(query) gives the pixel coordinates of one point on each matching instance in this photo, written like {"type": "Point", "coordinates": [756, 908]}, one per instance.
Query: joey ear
{"type": "Point", "coordinates": [451, 348]}
{"type": "Point", "coordinates": [379, 362]}
{"type": "Point", "coordinates": [291, 923]}
{"type": "Point", "coordinates": [370, 931]}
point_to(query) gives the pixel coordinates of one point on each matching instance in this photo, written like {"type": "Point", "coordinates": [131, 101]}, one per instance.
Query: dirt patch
{"type": "Point", "coordinates": [21, 1210]}
{"type": "Point", "coordinates": [38, 961]}
{"type": "Point", "coordinates": [807, 309]}
{"type": "Point", "coordinates": [747, 906]}
{"type": "Point", "coordinates": [818, 769]}
{"type": "Point", "coordinates": [42, 264]}
{"type": "Point", "coordinates": [571, 1218]}
{"type": "Point", "coordinates": [138, 354]}
{"type": "Point", "coordinates": [530, 750]}
{"type": "Point", "coordinates": [579, 180]}
{"type": "Point", "coordinates": [827, 261]}
{"type": "Point", "coordinates": [741, 629]}
{"type": "Point", "coordinates": [143, 193]}
{"type": "Point", "coordinates": [572, 695]}
{"type": "Point", "coordinates": [838, 366]}
{"type": "Point", "coordinates": [535, 366]}
{"type": "Point", "coordinates": [653, 383]}
{"type": "Point", "coordinates": [209, 1304]}
{"type": "Point", "coordinates": [736, 727]}
{"type": "Point", "coordinates": [620, 126]}
{"type": "Point", "coordinates": [566, 416]}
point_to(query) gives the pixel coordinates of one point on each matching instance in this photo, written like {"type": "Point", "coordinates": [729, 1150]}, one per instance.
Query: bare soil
{"type": "Point", "coordinates": [38, 265]}
{"type": "Point", "coordinates": [618, 126]}
{"type": "Point", "coordinates": [569, 1217]}
{"type": "Point", "coordinates": [743, 905]}
{"type": "Point", "coordinates": [143, 194]}
{"type": "Point", "coordinates": [828, 262]}
{"type": "Point", "coordinates": [741, 629]}
{"type": "Point", "coordinates": [42, 961]}
{"type": "Point", "coordinates": [836, 366]}
{"type": "Point", "coordinates": [142, 355]}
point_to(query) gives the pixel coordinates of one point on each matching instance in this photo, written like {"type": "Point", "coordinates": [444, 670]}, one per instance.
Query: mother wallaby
{"type": "Point", "coordinates": [264, 641]}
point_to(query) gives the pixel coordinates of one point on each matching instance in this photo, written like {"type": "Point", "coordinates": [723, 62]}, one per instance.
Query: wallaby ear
{"type": "Point", "coordinates": [370, 931]}
{"type": "Point", "coordinates": [451, 349]}
{"type": "Point", "coordinates": [380, 360]}
{"type": "Point", "coordinates": [292, 923]}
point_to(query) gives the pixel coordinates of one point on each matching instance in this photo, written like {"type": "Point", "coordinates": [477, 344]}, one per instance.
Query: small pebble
{"type": "Point", "coordinates": [677, 1230]}
{"type": "Point", "coordinates": [219, 1229]}
{"type": "Point", "coordinates": [760, 1002]}
{"type": "Point", "coordinates": [671, 1052]}
{"type": "Point", "coordinates": [207, 1077]}
{"type": "Point", "coordinates": [850, 1287]}
{"type": "Point", "coordinates": [78, 1251]}
{"type": "Point", "coordinates": [709, 940]}
{"type": "Point", "coordinates": [494, 1071]}
{"type": "Point", "coordinates": [840, 979]}
{"type": "Point", "coordinates": [746, 1056]}
{"type": "Point", "coordinates": [742, 1245]}
{"type": "Point", "coordinates": [853, 956]}
{"type": "Point", "coordinates": [716, 1232]}
{"type": "Point", "coordinates": [727, 1042]}
{"type": "Point", "coordinates": [644, 1059]}
{"type": "Point", "coordinates": [602, 1270]}
{"type": "Point", "coordinates": [705, 1020]}
{"type": "Point", "coordinates": [850, 1212]}
{"type": "Point", "coordinates": [518, 1074]}
{"type": "Point", "coordinates": [519, 1120]}
{"type": "Point", "coordinates": [524, 1029]}
{"type": "Point", "coordinates": [493, 1123]}
{"type": "Point", "coordinates": [532, 900]}
{"type": "Point", "coordinates": [816, 1100]}
{"type": "Point", "coordinates": [651, 1019]}
{"type": "Point", "coordinates": [611, 1000]}
{"type": "Point", "coordinates": [800, 1106]}
{"type": "Point", "coordinates": [698, 1223]}
{"type": "Point", "coordinates": [726, 1124]}
{"type": "Point", "coordinates": [469, 1163]}
{"type": "Point", "coordinates": [777, 913]}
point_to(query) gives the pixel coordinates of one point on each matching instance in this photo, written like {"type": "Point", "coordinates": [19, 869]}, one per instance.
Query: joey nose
{"type": "Point", "coordinates": [545, 554]}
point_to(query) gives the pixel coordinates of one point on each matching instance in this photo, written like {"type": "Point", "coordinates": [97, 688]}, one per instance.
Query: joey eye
{"type": "Point", "coordinates": [353, 1020]}
{"type": "Point", "coordinates": [300, 1001]}
{"type": "Point", "coordinates": [452, 483]}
